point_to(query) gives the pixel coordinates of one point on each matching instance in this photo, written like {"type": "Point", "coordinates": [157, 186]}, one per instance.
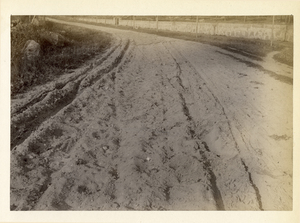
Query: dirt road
{"type": "Point", "coordinates": [156, 124]}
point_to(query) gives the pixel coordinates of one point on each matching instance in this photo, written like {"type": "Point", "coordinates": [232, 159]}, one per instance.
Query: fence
{"type": "Point", "coordinates": [265, 31]}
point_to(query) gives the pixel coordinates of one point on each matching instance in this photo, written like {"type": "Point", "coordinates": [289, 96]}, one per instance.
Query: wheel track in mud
{"type": "Point", "coordinates": [193, 135]}
{"type": "Point", "coordinates": [178, 85]}
{"type": "Point", "coordinates": [140, 166]}
{"type": "Point", "coordinates": [27, 118]}
{"type": "Point", "coordinates": [114, 169]}
{"type": "Point", "coordinates": [59, 84]}
{"type": "Point", "coordinates": [216, 192]}
{"type": "Point", "coordinates": [117, 63]}
{"type": "Point", "coordinates": [258, 196]}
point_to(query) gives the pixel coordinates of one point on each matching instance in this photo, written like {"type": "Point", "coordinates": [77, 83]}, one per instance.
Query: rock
{"type": "Point", "coordinates": [30, 61]}
{"type": "Point", "coordinates": [31, 50]}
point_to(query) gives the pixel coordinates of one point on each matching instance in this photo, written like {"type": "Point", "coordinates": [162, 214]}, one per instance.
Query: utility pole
{"type": "Point", "coordinates": [197, 21]}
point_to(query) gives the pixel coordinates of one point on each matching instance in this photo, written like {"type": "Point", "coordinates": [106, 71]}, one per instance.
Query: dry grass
{"type": "Point", "coordinates": [80, 46]}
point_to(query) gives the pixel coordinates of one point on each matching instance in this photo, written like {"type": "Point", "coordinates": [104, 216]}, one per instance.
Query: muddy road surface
{"type": "Point", "coordinates": [156, 124]}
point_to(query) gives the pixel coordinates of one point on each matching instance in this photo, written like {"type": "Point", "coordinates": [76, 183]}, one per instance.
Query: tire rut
{"type": "Point", "coordinates": [193, 133]}
{"type": "Point", "coordinates": [21, 128]}
{"type": "Point", "coordinates": [212, 178]}
{"type": "Point", "coordinates": [258, 196]}
{"type": "Point", "coordinates": [39, 145]}
{"type": "Point", "coordinates": [28, 120]}
{"type": "Point", "coordinates": [62, 82]}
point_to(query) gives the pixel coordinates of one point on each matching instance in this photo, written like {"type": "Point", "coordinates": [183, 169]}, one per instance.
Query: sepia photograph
{"type": "Point", "coordinates": [136, 111]}
{"type": "Point", "coordinates": [151, 113]}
